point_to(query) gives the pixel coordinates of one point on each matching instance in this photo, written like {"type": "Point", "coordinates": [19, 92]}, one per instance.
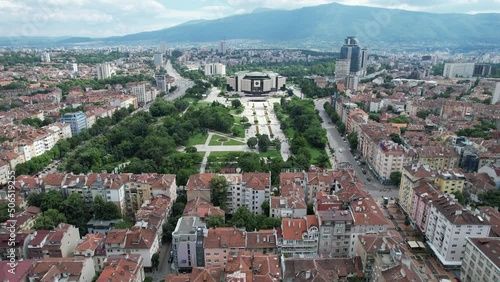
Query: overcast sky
{"type": "Point", "coordinates": [100, 18]}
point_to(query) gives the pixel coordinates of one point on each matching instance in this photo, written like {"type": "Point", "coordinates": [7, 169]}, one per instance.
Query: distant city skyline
{"type": "Point", "coordinates": [101, 18]}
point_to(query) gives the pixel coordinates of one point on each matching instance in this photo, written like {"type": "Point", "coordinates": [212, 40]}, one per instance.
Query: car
{"type": "Point", "coordinates": [363, 171]}
{"type": "Point", "coordinates": [369, 179]}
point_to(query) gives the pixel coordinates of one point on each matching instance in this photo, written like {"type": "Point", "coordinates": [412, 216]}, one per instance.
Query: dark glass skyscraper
{"type": "Point", "coordinates": [352, 52]}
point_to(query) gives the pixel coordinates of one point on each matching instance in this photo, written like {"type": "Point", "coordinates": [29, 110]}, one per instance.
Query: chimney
{"type": "Point", "coordinates": [308, 274]}
{"type": "Point", "coordinates": [258, 238]}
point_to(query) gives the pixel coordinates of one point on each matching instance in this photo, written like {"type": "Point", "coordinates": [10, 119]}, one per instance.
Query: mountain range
{"type": "Point", "coordinates": [329, 22]}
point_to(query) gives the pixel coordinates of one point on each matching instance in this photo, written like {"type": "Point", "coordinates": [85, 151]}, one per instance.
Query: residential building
{"type": "Point", "coordinates": [61, 242]}
{"type": "Point", "coordinates": [368, 219]}
{"type": "Point", "coordinates": [158, 60]}
{"type": "Point", "coordinates": [390, 157]}
{"type": "Point", "coordinates": [262, 241]}
{"type": "Point", "coordinates": [77, 121]}
{"type": "Point", "coordinates": [251, 192]}
{"type": "Point", "coordinates": [298, 237]}
{"type": "Point", "coordinates": [449, 226]}
{"type": "Point", "coordinates": [215, 69]}
{"type": "Point", "coordinates": [411, 177]}
{"type": "Point", "coordinates": [203, 209]}
{"type": "Point", "coordinates": [92, 245]}
{"type": "Point", "coordinates": [198, 185]}
{"type": "Point", "coordinates": [123, 268]}
{"type": "Point", "coordinates": [222, 47]}
{"type": "Point", "coordinates": [250, 266]}
{"type": "Point", "coordinates": [139, 90]}
{"type": "Point", "coordinates": [483, 70]}
{"type": "Point", "coordinates": [99, 226]}
{"type": "Point", "coordinates": [45, 57]}
{"type": "Point", "coordinates": [136, 240]}
{"type": "Point", "coordinates": [379, 253]}
{"type": "Point", "coordinates": [144, 187]}
{"type": "Point", "coordinates": [450, 181]}
{"type": "Point", "coordinates": [103, 71]}
{"type": "Point", "coordinates": [335, 228]}
{"type": "Point", "coordinates": [221, 244]}
{"type": "Point", "coordinates": [438, 157]}
{"type": "Point", "coordinates": [342, 67]}
{"type": "Point", "coordinates": [496, 94]}
{"type": "Point", "coordinates": [188, 242]}
{"type": "Point", "coordinates": [21, 270]}
{"type": "Point", "coordinates": [80, 269]}
{"type": "Point", "coordinates": [481, 261]}
{"type": "Point", "coordinates": [14, 244]}
{"type": "Point", "coordinates": [453, 70]}
{"type": "Point", "coordinates": [287, 206]}
{"type": "Point", "coordinates": [493, 171]}
{"type": "Point", "coordinates": [423, 196]}
{"type": "Point", "coordinates": [321, 269]}
{"type": "Point", "coordinates": [161, 82]}
{"type": "Point", "coordinates": [5, 172]}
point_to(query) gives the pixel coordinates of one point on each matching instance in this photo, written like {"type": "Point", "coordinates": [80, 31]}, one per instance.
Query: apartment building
{"type": "Point", "coordinates": [287, 206]}
{"type": "Point", "coordinates": [449, 226]}
{"type": "Point", "coordinates": [298, 237]}
{"type": "Point", "coordinates": [62, 241]}
{"type": "Point", "coordinates": [188, 242]}
{"type": "Point", "coordinates": [123, 268]}
{"type": "Point", "coordinates": [198, 186]}
{"type": "Point", "coordinates": [411, 177]}
{"type": "Point", "coordinates": [77, 121]}
{"type": "Point", "coordinates": [136, 240]}
{"type": "Point", "coordinates": [450, 181]}
{"type": "Point", "coordinates": [481, 262]}
{"type": "Point", "coordinates": [438, 157]}
{"type": "Point", "coordinates": [79, 269]}
{"type": "Point", "coordinates": [255, 189]}
{"type": "Point", "coordinates": [142, 188]}
{"type": "Point", "coordinates": [390, 157]}
{"type": "Point", "coordinates": [223, 243]}
{"type": "Point", "coordinates": [215, 69]}
{"type": "Point", "coordinates": [261, 241]}
{"type": "Point", "coordinates": [92, 245]}
{"type": "Point", "coordinates": [379, 253]}
{"type": "Point", "coordinates": [423, 196]}
{"type": "Point", "coordinates": [335, 233]}
{"type": "Point", "coordinates": [203, 209]}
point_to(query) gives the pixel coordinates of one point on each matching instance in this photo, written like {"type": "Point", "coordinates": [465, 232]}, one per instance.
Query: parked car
{"type": "Point", "coordinates": [363, 171]}
{"type": "Point", "coordinates": [369, 179]}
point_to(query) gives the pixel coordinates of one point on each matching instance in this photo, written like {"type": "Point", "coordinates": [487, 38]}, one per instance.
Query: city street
{"type": "Point", "coordinates": [342, 154]}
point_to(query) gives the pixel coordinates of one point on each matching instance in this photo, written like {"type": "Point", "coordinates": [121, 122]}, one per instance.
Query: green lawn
{"type": "Point", "coordinates": [214, 141]}
{"type": "Point", "coordinates": [270, 154]}
{"type": "Point", "coordinates": [237, 119]}
{"type": "Point", "coordinates": [197, 139]}
{"type": "Point", "coordinates": [233, 142]}
{"type": "Point", "coordinates": [219, 154]}
{"type": "Point", "coordinates": [233, 112]}
{"type": "Point", "coordinates": [289, 133]}
{"type": "Point", "coordinates": [241, 131]}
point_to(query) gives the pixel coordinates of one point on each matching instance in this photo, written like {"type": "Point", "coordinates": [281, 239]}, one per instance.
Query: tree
{"type": "Point", "coordinates": [215, 221]}
{"type": "Point", "coordinates": [124, 225]}
{"type": "Point", "coordinates": [49, 220]}
{"type": "Point", "coordinates": [460, 197]}
{"type": "Point", "coordinates": [155, 261]}
{"type": "Point", "coordinates": [353, 140]}
{"type": "Point", "coordinates": [263, 142]}
{"type": "Point", "coordinates": [396, 138]}
{"type": "Point", "coordinates": [51, 200]}
{"type": "Point", "coordinates": [149, 278]}
{"type": "Point", "coordinates": [105, 210]}
{"type": "Point", "coordinates": [75, 211]}
{"type": "Point", "coordinates": [490, 198]}
{"type": "Point", "coordinates": [218, 185]}
{"type": "Point", "coordinates": [396, 177]}
{"type": "Point", "coordinates": [375, 117]}
{"type": "Point", "coordinates": [236, 103]}
{"type": "Point", "coordinates": [178, 208]}
{"type": "Point", "coordinates": [244, 218]}
{"type": "Point", "coordinates": [322, 160]}
{"type": "Point", "coordinates": [310, 209]}
{"type": "Point", "coordinates": [265, 207]}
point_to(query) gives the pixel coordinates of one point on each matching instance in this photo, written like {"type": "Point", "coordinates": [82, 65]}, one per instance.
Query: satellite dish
{"type": "Point", "coordinates": [238, 170]}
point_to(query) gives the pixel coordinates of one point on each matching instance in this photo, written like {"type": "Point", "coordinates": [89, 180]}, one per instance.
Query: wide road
{"type": "Point", "coordinates": [182, 83]}
{"type": "Point", "coordinates": [342, 154]}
